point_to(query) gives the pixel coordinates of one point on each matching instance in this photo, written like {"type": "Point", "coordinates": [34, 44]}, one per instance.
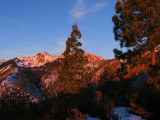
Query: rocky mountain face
{"type": "Point", "coordinates": [36, 75]}
{"type": "Point", "coordinates": [92, 57]}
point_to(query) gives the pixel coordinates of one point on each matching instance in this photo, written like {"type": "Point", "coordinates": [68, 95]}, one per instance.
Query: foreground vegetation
{"type": "Point", "coordinates": [113, 89]}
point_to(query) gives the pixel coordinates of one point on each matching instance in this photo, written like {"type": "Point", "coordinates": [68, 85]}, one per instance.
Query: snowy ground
{"type": "Point", "coordinates": [90, 118]}
{"type": "Point", "coordinates": [124, 115]}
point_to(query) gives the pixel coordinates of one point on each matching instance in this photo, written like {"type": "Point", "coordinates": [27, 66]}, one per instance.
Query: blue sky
{"type": "Point", "coordinates": [31, 26]}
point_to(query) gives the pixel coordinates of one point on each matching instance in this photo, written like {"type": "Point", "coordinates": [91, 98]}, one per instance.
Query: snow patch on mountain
{"type": "Point", "coordinates": [2, 61]}
{"type": "Point", "coordinates": [49, 80]}
{"type": "Point", "coordinates": [6, 71]}
{"type": "Point", "coordinates": [10, 80]}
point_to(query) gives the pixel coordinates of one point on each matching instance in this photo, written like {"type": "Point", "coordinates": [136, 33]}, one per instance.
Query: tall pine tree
{"type": "Point", "coordinates": [71, 74]}
{"type": "Point", "coordinates": [137, 26]}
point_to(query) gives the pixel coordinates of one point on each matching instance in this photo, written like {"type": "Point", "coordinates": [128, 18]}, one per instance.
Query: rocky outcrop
{"type": "Point", "coordinates": [93, 58]}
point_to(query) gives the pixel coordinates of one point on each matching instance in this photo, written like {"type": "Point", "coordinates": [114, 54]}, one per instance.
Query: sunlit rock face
{"type": "Point", "coordinates": [36, 61]}
{"type": "Point", "coordinates": [92, 57]}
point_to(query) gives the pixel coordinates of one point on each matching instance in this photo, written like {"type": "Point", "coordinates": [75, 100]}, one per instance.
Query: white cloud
{"type": "Point", "coordinates": [81, 9]}
{"type": "Point", "coordinates": [98, 6]}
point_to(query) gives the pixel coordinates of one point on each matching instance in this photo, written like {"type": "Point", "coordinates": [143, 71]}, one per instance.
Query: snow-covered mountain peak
{"type": "Point", "coordinates": [42, 58]}
{"type": "Point", "coordinates": [38, 60]}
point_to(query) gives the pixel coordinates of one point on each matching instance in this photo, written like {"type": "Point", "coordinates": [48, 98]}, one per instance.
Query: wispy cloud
{"type": "Point", "coordinates": [10, 54]}
{"type": "Point", "coordinates": [16, 52]}
{"type": "Point", "coordinates": [8, 19]}
{"type": "Point", "coordinates": [97, 6]}
{"type": "Point", "coordinates": [6, 52]}
{"type": "Point", "coordinates": [81, 8]}
{"type": "Point", "coordinates": [31, 49]}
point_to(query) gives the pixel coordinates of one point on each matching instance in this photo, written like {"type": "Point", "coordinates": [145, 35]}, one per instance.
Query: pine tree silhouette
{"type": "Point", "coordinates": [71, 74]}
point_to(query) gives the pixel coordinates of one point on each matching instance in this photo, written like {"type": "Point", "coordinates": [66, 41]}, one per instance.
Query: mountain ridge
{"type": "Point", "coordinates": [2, 61]}
{"type": "Point", "coordinates": [43, 58]}
{"type": "Point", "coordinates": [38, 73]}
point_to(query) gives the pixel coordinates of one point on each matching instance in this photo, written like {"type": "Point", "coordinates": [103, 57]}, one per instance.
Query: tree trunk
{"type": "Point", "coordinates": [153, 57]}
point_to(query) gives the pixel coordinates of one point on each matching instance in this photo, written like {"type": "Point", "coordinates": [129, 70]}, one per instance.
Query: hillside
{"type": "Point", "coordinates": [111, 83]}
{"type": "Point", "coordinates": [38, 73]}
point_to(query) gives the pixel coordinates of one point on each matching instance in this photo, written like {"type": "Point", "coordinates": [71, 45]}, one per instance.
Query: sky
{"type": "Point", "coordinates": [28, 27]}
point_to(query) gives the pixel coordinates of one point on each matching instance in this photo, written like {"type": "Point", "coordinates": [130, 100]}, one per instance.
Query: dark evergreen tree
{"type": "Point", "coordinates": [71, 73]}
{"type": "Point", "coordinates": [137, 27]}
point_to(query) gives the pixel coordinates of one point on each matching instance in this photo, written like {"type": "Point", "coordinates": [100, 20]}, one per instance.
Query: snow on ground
{"type": "Point", "coordinates": [7, 70]}
{"type": "Point", "coordinates": [125, 115]}
{"type": "Point", "coordinates": [90, 118]}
